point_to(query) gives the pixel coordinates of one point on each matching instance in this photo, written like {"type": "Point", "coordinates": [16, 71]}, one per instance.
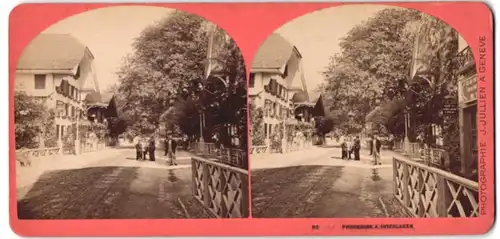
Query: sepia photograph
{"type": "Point", "coordinates": [131, 112]}
{"type": "Point", "coordinates": [363, 111]}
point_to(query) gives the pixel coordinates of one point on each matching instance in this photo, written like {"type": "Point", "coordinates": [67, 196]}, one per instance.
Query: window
{"type": "Point", "coordinates": [251, 81]}
{"type": "Point", "coordinates": [285, 72]}
{"type": "Point", "coordinates": [39, 81]}
{"type": "Point", "coordinates": [265, 130]}
{"type": "Point", "coordinates": [66, 109]}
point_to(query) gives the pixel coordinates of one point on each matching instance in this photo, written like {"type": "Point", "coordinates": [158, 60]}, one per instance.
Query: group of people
{"type": "Point", "coordinates": [145, 147]}
{"type": "Point", "coordinates": [350, 147]}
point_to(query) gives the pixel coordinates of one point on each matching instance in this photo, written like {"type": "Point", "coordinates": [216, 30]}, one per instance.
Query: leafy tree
{"type": "Point", "coordinates": [34, 122]}
{"type": "Point", "coordinates": [373, 60]}
{"type": "Point", "coordinates": [163, 81]}
{"type": "Point", "coordinates": [323, 125]}
{"type": "Point", "coordinates": [257, 133]}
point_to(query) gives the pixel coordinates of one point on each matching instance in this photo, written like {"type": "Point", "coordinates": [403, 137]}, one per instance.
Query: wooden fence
{"type": "Point", "coordinates": [258, 150]}
{"type": "Point", "coordinates": [431, 192]}
{"type": "Point", "coordinates": [37, 153]}
{"type": "Point", "coordinates": [222, 189]}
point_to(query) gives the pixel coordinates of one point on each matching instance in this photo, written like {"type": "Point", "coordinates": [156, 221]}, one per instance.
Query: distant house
{"type": "Point", "coordinates": [277, 83]}
{"type": "Point", "coordinates": [59, 69]}
{"type": "Point", "coordinates": [100, 107]}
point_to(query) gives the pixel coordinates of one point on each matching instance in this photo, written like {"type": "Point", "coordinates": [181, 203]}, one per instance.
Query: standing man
{"type": "Point", "coordinates": [371, 145]}
{"type": "Point", "coordinates": [138, 148]}
{"type": "Point", "coordinates": [356, 148]}
{"type": "Point", "coordinates": [170, 148]}
{"type": "Point", "coordinates": [152, 148]}
{"type": "Point", "coordinates": [376, 152]}
{"type": "Point", "coordinates": [343, 146]}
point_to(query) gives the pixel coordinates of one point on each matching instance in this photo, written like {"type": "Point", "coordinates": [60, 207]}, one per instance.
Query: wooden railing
{"type": "Point", "coordinates": [36, 153]}
{"type": "Point", "coordinates": [258, 150]}
{"type": "Point", "coordinates": [221, 189]}
{"type": "Point", "coordinates": [431, 192]}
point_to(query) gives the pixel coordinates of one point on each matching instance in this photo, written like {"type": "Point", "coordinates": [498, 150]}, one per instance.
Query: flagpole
{"type": "Point", "coordinates": [206, 75]}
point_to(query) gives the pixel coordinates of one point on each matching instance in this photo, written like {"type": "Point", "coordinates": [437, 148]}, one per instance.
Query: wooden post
{"type": "Point", "coordinates": [442, 200]}
{"type": "Point", "coordinates": [395, 175]}
{"type": "Point", "coordinates": [406, 181]}
{"type": "Point", "coordinates": [206, 191]}
{"type": "Point", "coordinates": [223, 193]}
{"type": "Point", "coordinates": [194, 175]}
{"type": "Point", "coordinates": [245, 199]}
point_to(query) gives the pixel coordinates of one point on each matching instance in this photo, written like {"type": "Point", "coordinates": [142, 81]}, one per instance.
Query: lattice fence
{"type": "Point", "coordinates": [431, 192]}
{"type": "Point", "coordinates": [258, 150]}
{"type": "Point", "coordinates": [221, 189]}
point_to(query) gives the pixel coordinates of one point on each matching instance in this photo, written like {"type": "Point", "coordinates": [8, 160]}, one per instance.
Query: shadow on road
{"type": "Point", "coordinates": [323, 192]}
{"type": "Point", "coordinates": [111, 193]}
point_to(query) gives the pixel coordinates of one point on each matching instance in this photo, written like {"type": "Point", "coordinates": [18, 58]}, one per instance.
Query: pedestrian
{"type": "Point", "coordinates": [152, 149]}
{"type": "Point", "coordinates": [356, 148]}
{"type": "Point", "coordinates": [144, 149]}
{"type": "Point", "coordinates": [376, 152]}
{"type": "Point", "coordinates": [349, 148]}
{"type": "Point", "coordinates": [170, 148]}
{"type": "Point", "coordinates": [343, 146]}
{"type": "Point", "coordinates": [138, 149]}
{"type": "Point", "coordinates": [371, 145]}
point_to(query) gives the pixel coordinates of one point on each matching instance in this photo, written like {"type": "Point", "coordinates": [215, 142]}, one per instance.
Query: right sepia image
{"type": "Point", "coordinates": [364, 111]}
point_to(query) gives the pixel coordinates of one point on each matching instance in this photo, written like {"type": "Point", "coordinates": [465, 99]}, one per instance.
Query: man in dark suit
{"type": "Point", "coordinates": [377, 145]}
{"type": "Point", "coordinates": [356, 148]}
{"type": "Point", "coordinates": [152, 149]}
{"type": "Point", "coordinates": [138, 150]}
{"type": "Point", "coordinates": [170, 147]}
{"type": "Point", "coordinates": [371, 145]}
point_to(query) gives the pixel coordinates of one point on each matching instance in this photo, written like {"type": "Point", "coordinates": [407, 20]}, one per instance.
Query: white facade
{"type": "Point", "coordinates": [47, 84]}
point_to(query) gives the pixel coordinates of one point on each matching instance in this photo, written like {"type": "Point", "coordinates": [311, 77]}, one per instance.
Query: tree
{"type": "Point", "coordinates": [166, 72]}
{"type": "Point", "coordinates": [324, 125]}
{"type": "Point", "coordinates": [373, 60]}
{"type": "Point", "coordinates": [257, 133]}
{"type": "Point", "coordinates": [34, 122]}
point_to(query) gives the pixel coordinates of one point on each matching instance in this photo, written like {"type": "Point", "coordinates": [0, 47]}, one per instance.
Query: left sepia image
{"type": "Point", "coordinates": [131, 112]}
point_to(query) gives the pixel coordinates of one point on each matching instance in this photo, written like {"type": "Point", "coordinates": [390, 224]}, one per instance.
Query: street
{"type": "Point", "coordinates": [317, 183]}
{"type": "Point", "coordinates": [115, 186]}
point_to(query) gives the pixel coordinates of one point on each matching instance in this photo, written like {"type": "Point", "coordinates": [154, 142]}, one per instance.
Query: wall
{"type": "Point", "coordinates": [26, 82]}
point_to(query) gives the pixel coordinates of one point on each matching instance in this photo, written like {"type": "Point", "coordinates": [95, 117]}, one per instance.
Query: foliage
{"type": "Point", "coordinates": [257, 133]}
{"type": "Point", "coordinates": [34, 122]}
{"type": "Point", "coordinates": [323, 125]}
{"type": "Point", "coordinates": [163, 82]}
{"type": "Point", "coordinates": [374, 57]}
{"type": "Point", "coordinates": [116, 126]}
{"type": "Point", "coordinates": [373, 69]}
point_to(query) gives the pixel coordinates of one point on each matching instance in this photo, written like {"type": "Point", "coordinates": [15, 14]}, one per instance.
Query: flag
{"type": "Point", "coordinates": [433, 38]}
{"type": "Point", "coordinates": [215, 47]}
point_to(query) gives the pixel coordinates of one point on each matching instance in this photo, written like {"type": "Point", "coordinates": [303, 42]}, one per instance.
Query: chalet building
{"type": "Point", "coordinates": [467, 104]}
{"type": "Point", "coordinates": [277, 83]}
{"type": "Point", "coordinates": [58, 69]}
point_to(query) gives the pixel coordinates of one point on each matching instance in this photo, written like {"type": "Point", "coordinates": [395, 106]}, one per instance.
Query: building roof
{"type": "Point", "coordinates": [97, 99]}
{"type": "Point", "coordinates": [300, 97]}
{"type": "Point", "coordinates": [52, 52]}
{"type": "Point", "coordinates": [273, 53]}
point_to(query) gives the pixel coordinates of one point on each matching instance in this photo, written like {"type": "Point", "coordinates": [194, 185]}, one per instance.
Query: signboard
{"type": "Point", "coordinates": [450, 107]}
{"type": "Point", "coordinates": [467, 89]}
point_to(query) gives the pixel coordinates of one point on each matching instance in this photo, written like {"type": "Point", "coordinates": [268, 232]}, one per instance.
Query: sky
{"type": "Point", "coordinates": [109, 33]}
{"type": "Point", "coordinates": [317, 35]}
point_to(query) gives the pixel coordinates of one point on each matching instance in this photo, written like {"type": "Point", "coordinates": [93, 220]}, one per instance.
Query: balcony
{"type": "Point", "coordinates": [465, 59]}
